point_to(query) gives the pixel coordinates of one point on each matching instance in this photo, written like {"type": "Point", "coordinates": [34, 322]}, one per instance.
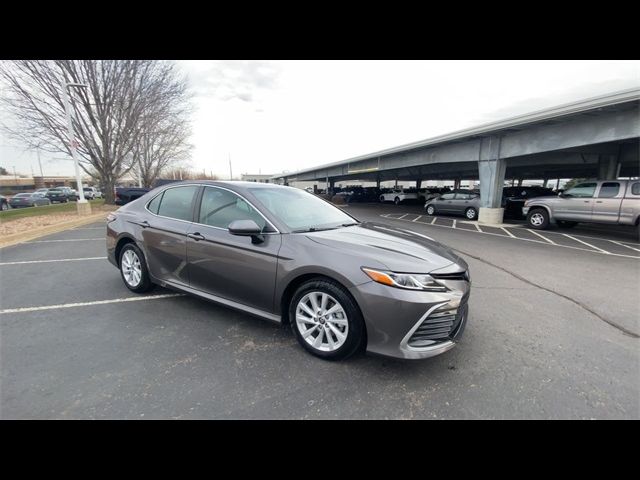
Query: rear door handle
{"type": "Point", "coordinates": [196, 236]}
{"type": "Point", "coordinates": [598, 201]}
{"type": "Point", "coordinates": [144, 224]}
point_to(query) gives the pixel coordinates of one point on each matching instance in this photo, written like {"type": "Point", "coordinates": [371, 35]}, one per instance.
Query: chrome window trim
{"type": "Point", "coordinates": [277, 232]}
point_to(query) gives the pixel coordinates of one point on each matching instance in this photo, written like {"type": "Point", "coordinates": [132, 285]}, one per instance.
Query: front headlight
{"type": "Point", "coordinates": [410, 281]}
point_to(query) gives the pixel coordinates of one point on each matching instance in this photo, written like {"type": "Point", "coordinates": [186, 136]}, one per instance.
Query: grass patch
{"type": "Point", "coordinates": [70, 207]}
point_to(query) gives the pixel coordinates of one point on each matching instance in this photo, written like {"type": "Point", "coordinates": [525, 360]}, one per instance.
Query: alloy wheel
{"type": "Point", "coordinates": [537, 219]}
{"type": "Point", "coordinates": [322, 321]}
{"type": "Point", "coordinates": [131, 269]}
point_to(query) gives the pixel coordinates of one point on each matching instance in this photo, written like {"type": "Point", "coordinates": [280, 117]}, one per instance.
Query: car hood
{"type": "Point", "coordinates": [401, 250]}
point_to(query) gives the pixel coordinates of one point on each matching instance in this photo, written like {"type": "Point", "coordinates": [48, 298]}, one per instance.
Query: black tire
{"type": "Point", "coordinates": [356, 335]}
{"type": "Point", "coordinates": [145, 281]}
{"type": "Point", "coordinates": [381, 199]}
{"type": "Point", "coordinates": [430, 210]}
{"type": "Point", "coordinates": [538, 219]}
{"type": "Point", "coordinates": [396, 201]}
{"type": "Point", "coordinates": [471, 213]}
{"type": "Point", "coordinates": [566, 224]}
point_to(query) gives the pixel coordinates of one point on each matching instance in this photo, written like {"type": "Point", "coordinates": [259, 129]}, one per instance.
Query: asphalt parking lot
{"type": "Point", "coordinates": [553, 333]}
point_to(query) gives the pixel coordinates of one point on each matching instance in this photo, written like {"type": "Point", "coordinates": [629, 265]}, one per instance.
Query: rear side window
{"type": "Point", "coordinates": [635, 189]}
{"type": "Point", "coordinates": [609, 189]}
{"type": "Point", "coordinates": [447, 196]}
{"type": "Point", "coordinates": [462, 196]}
{"type": "Point", "coordinates": [154, 204]}
{"type": "Point", "coordinates": [177, 203]}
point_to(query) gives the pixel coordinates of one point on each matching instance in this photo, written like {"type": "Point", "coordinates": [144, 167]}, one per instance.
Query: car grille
{"type": "Point", "coordinates": [438, 327]}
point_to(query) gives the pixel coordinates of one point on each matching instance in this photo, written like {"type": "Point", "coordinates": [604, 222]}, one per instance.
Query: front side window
{"type": "Point", "coordinates": [300, 210]}
{"type": "Point", "coordinates": [609, 190]}
{"type": "Point", "coordinates": [221, 207]}
{"type": "Point", "coordinates": [635, 188]}
{"type": "Point", "coordinates": [582, 190]}
{"type": "Point", "coordinates": [177, 203]}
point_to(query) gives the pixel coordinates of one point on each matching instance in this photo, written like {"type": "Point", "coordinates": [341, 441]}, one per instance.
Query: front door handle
{"type": "Point", "coordinates": [196, 236]}
{"type": "Point", "coordinates": [587, 201]}
{"type": "Point", "coordinates": [598, 201]}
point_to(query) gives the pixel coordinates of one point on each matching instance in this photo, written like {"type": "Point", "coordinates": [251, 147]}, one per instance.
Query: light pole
{"type": "Point", "coordinates": [84, 207]}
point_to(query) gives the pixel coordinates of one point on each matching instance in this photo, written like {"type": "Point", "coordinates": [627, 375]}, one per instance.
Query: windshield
{"type": "Point", "coordinates": [300, 210]}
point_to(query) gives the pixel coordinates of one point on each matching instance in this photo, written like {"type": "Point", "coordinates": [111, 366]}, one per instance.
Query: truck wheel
{"type": "Point", "coordinates": [538, 219]}
{"type": "Point", "coordinates": [396, 201]}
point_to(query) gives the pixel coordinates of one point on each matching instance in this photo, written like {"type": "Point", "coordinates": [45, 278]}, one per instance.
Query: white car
{"type": "Point", "coordinates": [92, 193]}
{"type": "Point", "coordinates": [398, 195]}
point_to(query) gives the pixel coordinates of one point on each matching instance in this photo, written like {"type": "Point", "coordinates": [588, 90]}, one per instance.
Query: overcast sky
{"type": "Point", "coordinates": [275, 116]}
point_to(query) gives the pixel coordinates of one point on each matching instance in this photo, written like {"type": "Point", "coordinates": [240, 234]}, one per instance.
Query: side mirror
{"type": "Point", "coordinates": [246, 228]}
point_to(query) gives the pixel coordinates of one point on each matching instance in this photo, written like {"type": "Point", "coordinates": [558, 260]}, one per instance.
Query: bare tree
{"type": "Point", "coordinates": [163, 142]}
{"type": "Point", "coordinates": [109, 116]}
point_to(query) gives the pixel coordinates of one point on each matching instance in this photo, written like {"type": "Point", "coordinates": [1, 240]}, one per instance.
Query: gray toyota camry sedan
{"type": "Point", "coordinates": [288, 256]}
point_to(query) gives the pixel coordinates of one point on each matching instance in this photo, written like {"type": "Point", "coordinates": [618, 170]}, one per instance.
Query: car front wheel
{"type": "Point", "coordinates": [431, 210]}
{"type": "Point", "coordinates": [133, 269]}
{"type": "Point", "coordinates": [326, 320]}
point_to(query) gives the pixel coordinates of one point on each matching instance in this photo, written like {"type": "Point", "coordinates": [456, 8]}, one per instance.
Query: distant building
{"type": "Point", "coordinates": [260, 178]}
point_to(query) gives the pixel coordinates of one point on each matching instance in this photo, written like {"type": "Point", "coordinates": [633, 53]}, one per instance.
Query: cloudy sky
{"type": "Point", "coordinates": [275, 116]}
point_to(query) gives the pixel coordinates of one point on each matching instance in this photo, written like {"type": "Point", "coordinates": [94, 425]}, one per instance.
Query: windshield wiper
{"type": "Point", "coordinates": [350, 224]}
{"type": "Point", "coordinates": [313, 229]}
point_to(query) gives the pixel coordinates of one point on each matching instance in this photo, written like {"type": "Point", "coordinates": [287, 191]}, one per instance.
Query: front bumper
{"type": "Point", "coordinates": [397, 319]}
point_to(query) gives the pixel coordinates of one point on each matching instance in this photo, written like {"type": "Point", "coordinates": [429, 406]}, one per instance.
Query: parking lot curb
{"type": "Point", "coordinates": [15, 238]}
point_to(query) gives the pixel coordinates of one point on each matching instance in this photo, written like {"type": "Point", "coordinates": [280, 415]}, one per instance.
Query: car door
{"type": "Point", "coordinates": [576, 204]}
{"type": "Point", "coordinates": [606, 207]}
{"type": "Point", "coordinates": [460, 202]}
{"type": "Point", "coordinates": [164, 231]}
{"type": "Point", "coordinates": [229, 266]}
{"type": "Point", "coordinates": [444, 203]}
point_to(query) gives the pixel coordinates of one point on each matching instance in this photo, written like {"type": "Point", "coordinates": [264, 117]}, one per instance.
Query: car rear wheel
{"type": "Point", "coordinates": [133, 269]}
{"type": "Point", "coordinates": [396, 201]}
{"type": "Point", "coordinates": [431, 210]}
{"type": "Point", "coordinates": [538, 219]}
{"type": "Point", "coordinates": [471, 213]}
{"type": "Point", "coordinates": [326, 320]}
{"type": "Point", "coordinates": [381, 198]}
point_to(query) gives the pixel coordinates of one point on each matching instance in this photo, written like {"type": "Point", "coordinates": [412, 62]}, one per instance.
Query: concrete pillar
{"type": "Point", "coordinates": [492, 169]}
{"type": "Point", "coordinates": [332, 186]}
{"type": "Point", "coordinates": [378, 183]}
{"type": "Point", "coordinates": [418, 184]}
{"type": "Point", "coordinates": [544, 182]}
{"type": "Point", "coordinates": [456, 184]}
{"type": "Point", "coordinates": [607, 167]}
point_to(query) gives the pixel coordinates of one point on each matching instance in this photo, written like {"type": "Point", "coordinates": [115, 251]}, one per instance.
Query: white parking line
{"type": "Point", "coordinates": [542, 237]}
{"type": "Point", "coordinates": [66, 240]}
{"type": "Point", "coordinates": [454, 223]}
{"type": "Point", "coordinates": [623, 245]}
{"type": "Point", "coordinates": [585, 243]}
{"type": "Point", "coordinates": [399, 218]}
{"type": "Point", "coordinates": [508, 232]}
{"type": "Point", "coordinates": [416, 219]}
{"type": "Point", "coordinates": [478, 228]}
{"type": "Point", "coordinates": [87, 304]}
{"type": "Point", "coordinates": [546, 242]}
{"type": "Point", "coordinates": [434, 220]}
{"type": "Point", "coordinates": [51, 261]}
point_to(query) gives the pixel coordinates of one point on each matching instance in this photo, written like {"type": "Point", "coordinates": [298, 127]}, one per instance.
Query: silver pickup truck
{"type": "Point", "coordinates": [596, 201]}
